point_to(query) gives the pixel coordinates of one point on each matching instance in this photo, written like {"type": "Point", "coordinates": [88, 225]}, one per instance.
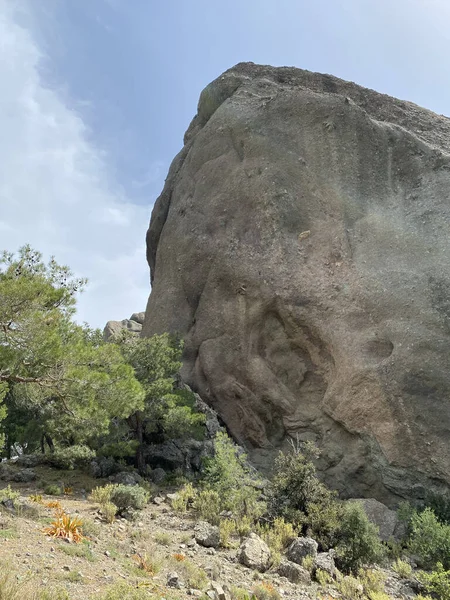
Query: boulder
{"type": "Point", "coordinates": [127, 478]}
{"type": "Point", "coordinates": [325, 562]}
{"type": "Point", "coordinates": [255, 553]}
{"type": "Point", "coordinates": [301, 548]}
{"type": "Point", "coordinates": [134, 324]}
{"type": "Point", "coordinates": [384, 518]}
{"type": "Point", "coordinates": [300, 248]}
{"type": "Point", "coordinates": [207, 535]}
{"type": "Point", "coordinates": [295, 573]}
{"type": "Point", "coordinates": [158, 475]}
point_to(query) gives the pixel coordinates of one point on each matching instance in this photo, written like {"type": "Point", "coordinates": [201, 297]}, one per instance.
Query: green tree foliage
{"type": "Point", "coordinates": [437, 582]}
{"type": "Point", "coordinates": [59, 375]}
{"type": "Point", "coordinates": [430, 539]}
{"type": "Point", "coordinates": [167, 412]}
{"type": "Point", "coordinates": [358, 540]}
{"type": "Point", "coordinates": [228, 474]}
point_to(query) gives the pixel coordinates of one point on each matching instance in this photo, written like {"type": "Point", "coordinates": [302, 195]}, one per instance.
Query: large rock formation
{"type": "Point", "coordinates": [301, 247]}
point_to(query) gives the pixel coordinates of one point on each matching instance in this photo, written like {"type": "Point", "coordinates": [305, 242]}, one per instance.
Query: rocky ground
{"type": "Point", "coordinates": [157, 551]}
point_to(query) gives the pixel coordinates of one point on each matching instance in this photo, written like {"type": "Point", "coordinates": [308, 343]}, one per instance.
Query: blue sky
{"type": "Point", "coordinates": [97, 94]}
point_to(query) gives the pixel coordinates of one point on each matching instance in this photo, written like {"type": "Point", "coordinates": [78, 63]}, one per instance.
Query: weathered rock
{"type": "Point", "coordinates": [207, 535]}
{"type": "Point", "coordinates": [384, 518]}
{"type": "Point", "coordinates": [301, 548]}
{"type": "Point", "coordinates": [255, 553]}
{"type": "Point", "coordinates": [173, 580]}
{"type": "Point", "coordinates": [300, 247]}
{"type": "Point", "coordinates": [24, 476]}
{"type": "Point", "coordinates": [127, 478]}
{"type": "Point", "coordinates": [325, 562]}
{"type": "Point", "coordinates": [104, 466]}
{"type": "Point", "coordinates": [294, 572]}
{"type": "Point", "coordinates": [158, 475]}
{"type": "Point", "coordinates": [133, 324]}
{"type": "Point", "coordinates": [186, 455]}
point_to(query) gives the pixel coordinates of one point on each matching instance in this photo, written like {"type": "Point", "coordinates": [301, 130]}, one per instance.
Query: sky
{"type": "Point", "coordinates": [97, 94]}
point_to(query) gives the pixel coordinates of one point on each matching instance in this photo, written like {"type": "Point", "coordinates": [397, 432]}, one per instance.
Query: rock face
{"type": "Point", "coordinates": [133, 324]}
{"type": "Point", "coordinates": [301, 248]}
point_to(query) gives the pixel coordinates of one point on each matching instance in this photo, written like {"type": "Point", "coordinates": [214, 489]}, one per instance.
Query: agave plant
{"type": "Point", "coordinates": [66, 527]}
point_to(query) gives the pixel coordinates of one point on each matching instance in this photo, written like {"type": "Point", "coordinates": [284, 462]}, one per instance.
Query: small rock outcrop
{"type": "Point", "coordinates": [300, 248]}
{"type": "Point", "coordinates": [301, 548]}
{"type": "Point", "coordinates": [255, 553]}
{"type": "Point", "coordinates": [387, 521]}
{"type": "Point", "coordinates": [133, 324]}
{"type": "Point", "coordinates": [294, 572]}
{"type": "Point", "coordinates": [207, 535]}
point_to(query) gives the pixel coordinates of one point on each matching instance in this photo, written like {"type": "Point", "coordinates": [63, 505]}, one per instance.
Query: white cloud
{"type": "Point", "coordinates": [55, 189]}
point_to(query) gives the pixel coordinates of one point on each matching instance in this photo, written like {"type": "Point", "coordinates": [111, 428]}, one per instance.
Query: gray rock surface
{"type": "Point", "coordinates": [384, 518]}
{"type": "Point", "coordinates": [301, 548]}
{"type": "Point", "coordinates": [207, 535]}
{"type": "Point", "coordinates": [255, 553]}
{"type": "Point", "coordinates": [133, 324]}
{"type": "Point", "coordinates": [300, 247]}
{"type": "Point", "coordinates": [295, 573]}
{"type": "Point", "coordinates": [325, 562]}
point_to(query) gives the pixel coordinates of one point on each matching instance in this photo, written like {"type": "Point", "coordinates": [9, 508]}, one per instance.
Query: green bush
{"type": "Point", "coordinates": [437, 582]}
{"type": "Point", "coordinates": [228, 474]}
{"type": "Point", "coordinates": [277, 535]}
{"type": "Point", "coordinates": [402, 568]}
{"type": "Point", "coordinates": [358, 542]}
{"type": "Point", "coordinates": [440, 505]}
{"type": "Point", "coordinates": [52, 489]}
{"type": "Point", "coordinates": [129, 496]}
{"type": "Point", "coordinates": [8, 493]}
{"type": "Point", "coordinates": [184, 498]}
{"type": "Point", "coordinates": [207, 504]}
{"type": "Point", "coordinates": [73, 457]}
{"type": "Point", "coordinates": [117, 450]}
{"type": "Point", "coordinates": [430, 539]}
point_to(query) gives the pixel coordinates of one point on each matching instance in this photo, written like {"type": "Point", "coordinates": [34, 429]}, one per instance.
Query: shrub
{"type": "Point", "coordinates": [184, 498]}
{"type": "Point", "coordinates": [322, 577]}
{"type": "Point", "coordinates": [73, 457]}
{"type": "Point", "coordinates": [109, 511]}
{"type": "Point", "coordinates": [372, 581]}
{"type": "Point", "coordinates": [162, 538]}
{"type": "Point", "coordinates": [207, 504]}
{"type": "Point", "coordinates": [358, 543]}
{"type": "Point", "coordinates": [308, 563]}
{"type": "Point", "coordinates": [430, 539]}
{"type": "Point", "coordinates": [440, 505]}
{"type": "Point", "coordinates": [9, 494]}
{"type": "Point", "coordinates": [265, 591]}
{"type": "Point", "coordinates": [226, 528]}
{"type": "Point", "coordinates": [350, 588]}
{"type": "Point", "coordinates": [102, 494]}
{"type": "Point", "coordinates": [129, 496]}
{"type": "Point", "coordinates": [52, 489]}
{"type": "Point", "coordinates": [144, 562]}
{"type": "Point", "coordinates": [124, 591]}
{"type": "Point", "coordinates": [228, 474]}
{"type": "Point", "coordinates": [402, 568]}
{"type": "Point", "coordinates": [277, 535]}
{"type": "Point", "coordinates": [437, 582]}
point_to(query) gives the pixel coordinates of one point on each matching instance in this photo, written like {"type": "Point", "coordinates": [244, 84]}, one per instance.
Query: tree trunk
{"type": "Point", "coordinates": [140, 461]}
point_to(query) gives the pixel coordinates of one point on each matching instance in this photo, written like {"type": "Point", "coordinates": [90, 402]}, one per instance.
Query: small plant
{"type": "Point", "coordinates": [265, 591]}
{"type": "Point", "coordinates": [402, 568]}
{"type": "Point", "coordinates": [184, 498]}
{"type": "Point", "coordinates": [308, 563]}
{"type": "Point", "coordinates": [238, 593]}
{"type": "Point", "coordinates": [109, 511]}
{"type": "Point", "coordinates": [323, 578]}
{"type": "Point", "coordinates": [350, 588]}
{"type": "Point", "coordinates": [37, 498]}
{"type": "Point", "coordinates": [437, 582]}
{"type": "Point", "coordinates": [207, 504]}
{"type": "Point", "coordinates": [102, 494]}
{"type": "Point", "coordinates": [83, 550]}
{"type": "Point", "coordinates": [9, 494]}
{"type": "Point", "coordinates": [244, 526]}
{"type": "Point", "coordinates": [226, 529]}
{"type": "Point", "coordinates": [195, 577]}
{"type": "Point", "coordinates": [162, 538]}
{"type": "Point", "coordinates": [68, 491]}
{"type": "Point", "coordinates": [52, 489]}
{"type": "Point", "coordinates": [277, 535]}
{"type": "Point", "coordinates": [372, 581]}
{"type": "Point", "coordinates": [145, 563]}
{"type": "Point", "coordinates": [74, 577]}
{"type": "Point", "coordinates": [179, 557]}
{"type": "Point", "coordinates": [66, 527]}
{"type": "Point", "coordinates": [124, 591]}
{"type": "Point", "coordinates": [53, 504]}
